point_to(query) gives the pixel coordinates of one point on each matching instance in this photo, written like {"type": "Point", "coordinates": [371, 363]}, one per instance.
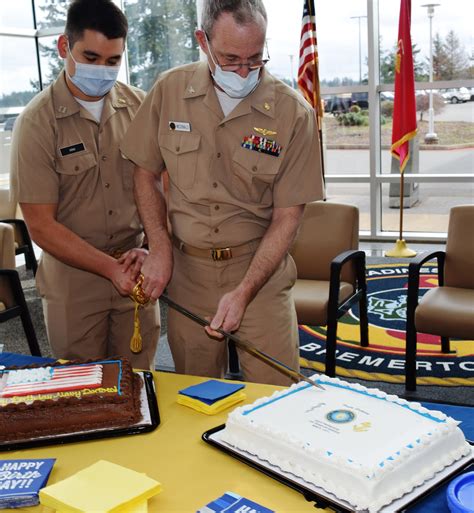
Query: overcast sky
{"type": "Point", "coordinates": [337, 32]}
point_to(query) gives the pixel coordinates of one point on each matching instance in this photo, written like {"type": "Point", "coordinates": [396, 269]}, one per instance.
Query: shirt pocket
{"type": "Point", "coordinates": [77, 174]}
{"type": "Point", "coordinates": [180, 154]}
{"type": "Point", "coordinates": [127, 168]}
{"type": "Point", "coordinates": [253, 175]}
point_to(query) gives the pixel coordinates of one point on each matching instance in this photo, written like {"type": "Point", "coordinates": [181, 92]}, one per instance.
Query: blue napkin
{"type": "Point", "coordinates": [232, 503]}
{"type": "Point", "coordinates": [211, 391]}
{"type": "Point", "coordinates": [21, 481]}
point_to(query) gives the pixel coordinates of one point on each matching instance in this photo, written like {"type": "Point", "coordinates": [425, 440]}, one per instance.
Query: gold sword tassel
{"type": "Point", "coordinates": [140, 300]}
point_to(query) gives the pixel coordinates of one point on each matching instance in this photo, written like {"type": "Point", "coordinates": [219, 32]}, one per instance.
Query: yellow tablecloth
{"type": "Point", "coordinates": [192, 472]}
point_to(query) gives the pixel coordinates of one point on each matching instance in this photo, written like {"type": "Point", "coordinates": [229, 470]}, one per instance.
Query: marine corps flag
{"type": "Point", "coordinates": [404, 113]}
{"type": "Point", "coordinates": [404, 109]}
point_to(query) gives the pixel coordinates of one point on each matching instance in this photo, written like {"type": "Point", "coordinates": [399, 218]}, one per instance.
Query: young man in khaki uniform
{"type": "Point", "coordinates": [242, 153]}
{"type": "Point", "coordinates": [76, 193]}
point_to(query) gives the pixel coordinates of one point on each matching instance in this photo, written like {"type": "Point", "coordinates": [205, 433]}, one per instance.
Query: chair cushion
{"type": "Point", "coordinates": [311, 300]}
{"type": "Point", "coordinates": [446, 311]}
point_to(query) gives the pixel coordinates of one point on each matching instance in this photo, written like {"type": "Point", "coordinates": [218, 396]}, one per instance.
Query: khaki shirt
{"type": "Point", "coordinates": [61, 155]}
{"type": "Point", "coordinates": [222, 194]}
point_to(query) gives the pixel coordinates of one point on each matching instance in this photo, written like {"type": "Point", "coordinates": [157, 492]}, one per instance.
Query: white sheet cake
{"type": "Point", "coordinates": [362, 445]}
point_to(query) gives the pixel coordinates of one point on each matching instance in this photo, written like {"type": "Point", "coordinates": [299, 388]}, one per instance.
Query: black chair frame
{"type": "Point", "coordinates": [336, 310]}
{"type": "Point", "coordinates": [412, 302]}
{"type": "Point", "coordinates": [27, 247]}
{"type": "Point", "coordinates": [20, 309]}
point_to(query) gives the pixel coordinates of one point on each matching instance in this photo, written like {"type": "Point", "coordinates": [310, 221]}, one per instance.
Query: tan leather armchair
{"type": "Point", "coordinates": [12, 299]}
{"type": "Point", "coordinates": [23, 244]}
{"type": "Point", "coordinates": [446, 310]}
{"type": "Point", "coordinates": [331, 271]}
{"type": "Point", "coordinates": [7, 246]}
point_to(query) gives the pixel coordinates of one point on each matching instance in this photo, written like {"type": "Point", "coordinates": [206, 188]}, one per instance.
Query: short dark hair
{"type": "Point", "coordinates": [243, 11]}
{"type": "Point", "coordinates": [100, 15]}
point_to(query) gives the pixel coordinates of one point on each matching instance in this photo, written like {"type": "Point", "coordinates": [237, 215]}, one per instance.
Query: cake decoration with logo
{"type": "Point", "coordinates": [340, 416]}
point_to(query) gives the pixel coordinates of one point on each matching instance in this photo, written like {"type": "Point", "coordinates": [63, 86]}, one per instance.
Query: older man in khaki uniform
{"type": "Point", "coordinates": [76, 192]}
{"type": "Point", "coordinates": [243, 158]}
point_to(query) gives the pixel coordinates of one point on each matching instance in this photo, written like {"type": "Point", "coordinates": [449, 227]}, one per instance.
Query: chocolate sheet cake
{"type": "Point", "coordinates": [61, 398]}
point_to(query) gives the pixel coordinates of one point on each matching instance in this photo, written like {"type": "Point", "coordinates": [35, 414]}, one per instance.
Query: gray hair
{"type": "Point", "coordinates": [243, 11]}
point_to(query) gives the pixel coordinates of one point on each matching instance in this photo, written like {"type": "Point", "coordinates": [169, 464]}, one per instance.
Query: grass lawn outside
{"type": "Point", "coordinates": [451, 134]}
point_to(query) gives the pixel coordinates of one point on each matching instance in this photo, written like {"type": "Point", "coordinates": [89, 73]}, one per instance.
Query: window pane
{"type": "Point", "coordinates": [429, 212]}
{"type": "Point", "coordinates": [17, 14]}
{"type": "Point", "coordinates": [355, 194]}
{"type": "Point", "coordinates": [51, 13]}
{"type": "Point", "coordinates": [453, 125]}
{"type": "Point", "coordinates": [18, 85]}
{"type": "Point", "coordinates": [51, 63]}
{"type": "Point", "coordinates": [338, 31]}
{"type": "Point", "coordinates": [161, 36]}
{"type": "Point", "coordinates": [346, 140]}
{"type": "Point", "coordinates": [451, 39]}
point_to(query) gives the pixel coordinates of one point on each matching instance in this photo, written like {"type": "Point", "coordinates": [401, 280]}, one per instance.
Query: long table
{"type": "Point", "coordinates": [192, 473]}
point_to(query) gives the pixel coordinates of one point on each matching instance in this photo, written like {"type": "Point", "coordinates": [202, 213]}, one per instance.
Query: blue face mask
{"type": "Point", "coordinates": [93, 79]}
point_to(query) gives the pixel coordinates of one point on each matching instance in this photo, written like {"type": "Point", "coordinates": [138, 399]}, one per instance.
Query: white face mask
{"type": "Point", "coordinates": [231, 82]}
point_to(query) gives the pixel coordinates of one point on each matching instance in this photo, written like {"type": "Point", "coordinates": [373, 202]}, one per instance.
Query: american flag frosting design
{"type": "Point", "coordinates": [35, 381]}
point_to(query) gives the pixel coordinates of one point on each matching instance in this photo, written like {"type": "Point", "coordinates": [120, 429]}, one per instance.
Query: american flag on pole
{"type": "Point", "coordinates": [308, 74]}
{"type": "Point", "coordinates": [41, 380]}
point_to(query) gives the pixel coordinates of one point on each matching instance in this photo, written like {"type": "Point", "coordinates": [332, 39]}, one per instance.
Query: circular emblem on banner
{"type": "Point", "coordinates": [340, 416]}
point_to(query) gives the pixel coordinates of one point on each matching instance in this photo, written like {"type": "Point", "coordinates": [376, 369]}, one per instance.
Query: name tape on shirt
{"type": "Point", "coordinates": [68, 150]}
{"type": "Point", "coordinates": [180, 126]}
{"type": "Point", "coordinates": [261, 144]}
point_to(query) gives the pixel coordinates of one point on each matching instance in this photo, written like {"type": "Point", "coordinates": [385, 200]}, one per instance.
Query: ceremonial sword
{"type": "Point", "coordinates": [243, 344]}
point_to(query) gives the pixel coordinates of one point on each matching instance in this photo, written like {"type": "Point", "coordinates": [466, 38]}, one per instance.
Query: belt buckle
{"type": "Point", "coordinates": [219, 254]}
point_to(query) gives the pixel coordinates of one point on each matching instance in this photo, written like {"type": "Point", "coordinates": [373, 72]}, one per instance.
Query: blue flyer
{"type": "Point", "coordinates": [232, 503]}
{"type": "Point", "coordinates": [21, 481]}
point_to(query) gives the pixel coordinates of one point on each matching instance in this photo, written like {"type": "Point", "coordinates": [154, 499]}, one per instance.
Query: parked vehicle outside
{"type": "Point", "coordinates": [9, 123]}
{"type": "Point", "coordinates": [460, 95]}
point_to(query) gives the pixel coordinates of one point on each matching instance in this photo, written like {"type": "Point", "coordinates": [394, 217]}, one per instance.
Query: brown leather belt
{"type": "Point", "coordinates": [216, 254]}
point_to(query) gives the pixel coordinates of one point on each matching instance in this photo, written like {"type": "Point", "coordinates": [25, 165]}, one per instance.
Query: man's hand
{"type": "Point", "coordinates": [122, 281]}
{"type": "Point", "coordinates": [132, 261]}
{"type": "Point", "coordinates": [229, 313]}
{"type": "Point", "coordinates": [156, 270]}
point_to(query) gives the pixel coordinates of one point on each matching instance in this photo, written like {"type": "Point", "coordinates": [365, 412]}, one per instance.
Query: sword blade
{"type": "Point", "coordinates": [243, 344]}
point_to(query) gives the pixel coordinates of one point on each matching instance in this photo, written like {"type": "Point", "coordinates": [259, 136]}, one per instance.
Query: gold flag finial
{"type": "Point", "coordinates": [141, 300]}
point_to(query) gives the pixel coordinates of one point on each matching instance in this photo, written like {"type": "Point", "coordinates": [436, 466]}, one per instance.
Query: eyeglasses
{"type": "Point", "coordinates": [251, 65]}
{"type": "Point", "coordinates": [237, 66]}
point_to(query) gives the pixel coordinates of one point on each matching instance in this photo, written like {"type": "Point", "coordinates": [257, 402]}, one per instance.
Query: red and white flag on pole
{"type": "Point", "coordinates": [308, 72]}
{"type": "Point", "coordinates": [404, 109]}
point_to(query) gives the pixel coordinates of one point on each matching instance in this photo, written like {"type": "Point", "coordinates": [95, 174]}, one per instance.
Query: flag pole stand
{"type": "Point", "coordinates": [400, 250]}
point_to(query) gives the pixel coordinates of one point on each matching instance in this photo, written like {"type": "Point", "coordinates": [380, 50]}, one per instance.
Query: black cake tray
{"type": "Point", "coordinates": [149, 409]}
{"type": "Point", "coordinates": [327, 500]}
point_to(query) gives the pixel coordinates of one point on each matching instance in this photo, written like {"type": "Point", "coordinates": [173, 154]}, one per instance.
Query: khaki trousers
{"type": "Point", "coordinates": [86, 317]}
{"type": "Point", "coordinates": [269, 321]}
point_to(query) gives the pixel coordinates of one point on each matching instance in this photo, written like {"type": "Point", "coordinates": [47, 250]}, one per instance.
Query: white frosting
{"type": "Point", "coordinates": [41, 379]}
{"type": "Point", "coordinates": [362, 445]}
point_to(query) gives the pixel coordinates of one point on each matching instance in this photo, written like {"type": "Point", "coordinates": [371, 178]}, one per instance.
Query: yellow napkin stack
{"type": "Point", "coordinates": [103, 487]}
{"type": "Point", "coordinates": [211, 396]}
{"type": "Point", "coordinates": [214, 408]}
